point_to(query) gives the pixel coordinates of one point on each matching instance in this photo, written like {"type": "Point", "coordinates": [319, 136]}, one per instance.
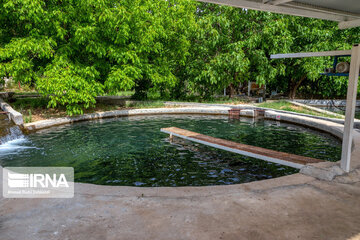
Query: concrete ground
{"type": "Point", "coordinates": [291, 207]}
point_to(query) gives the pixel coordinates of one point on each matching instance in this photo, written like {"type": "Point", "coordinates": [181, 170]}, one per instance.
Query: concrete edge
{"type": "Point", "coordinates": [273, 184]}
{"type": "Point", "coordinates": [246, 106]}
{"type": "Point", "coordinates": [123, 113]}
{"type": "Point", "coordinates": [332, 128]}
{"type": "Point", "coordinates": [325, 171]}
{"type": "Point", "coordinates": [15, 116]}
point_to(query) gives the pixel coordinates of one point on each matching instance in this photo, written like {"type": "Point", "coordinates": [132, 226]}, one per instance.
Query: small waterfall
{"type": "Point", "coordinates": [8, 131]}
{"type": "Point", "coordinates": [14, 133]}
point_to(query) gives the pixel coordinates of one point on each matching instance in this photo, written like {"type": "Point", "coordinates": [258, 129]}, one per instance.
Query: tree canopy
{"type": "Point", "coordinates": [76, 50]}
{"type": "Point", "coordinates": [235, 45]}
{"type": "Point", "coordinates": [73, 51]}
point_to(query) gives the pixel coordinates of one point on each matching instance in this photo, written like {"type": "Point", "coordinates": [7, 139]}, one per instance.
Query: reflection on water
{"type": "Point", "coordinates": [132, 151]}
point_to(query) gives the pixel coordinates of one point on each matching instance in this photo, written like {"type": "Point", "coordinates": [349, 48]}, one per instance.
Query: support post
{"type": "Point", "coordinates": [264, 94]}
{"type": "Point", "coordinates": [350, 108]}
{"type": "Point", "coordinates": [171, 137]}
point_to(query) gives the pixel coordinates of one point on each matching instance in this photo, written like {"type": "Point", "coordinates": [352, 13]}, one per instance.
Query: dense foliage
{"type": "Point", "coordinates": [234, 45]}
{"type": "Point", "coordinates": [74, 50]}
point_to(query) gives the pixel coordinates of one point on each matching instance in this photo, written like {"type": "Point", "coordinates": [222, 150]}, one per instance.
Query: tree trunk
{"type": "Point", "coordinates": [231, 86]}
{"type": "Point", "coordinates": [294, 86]}
{"type": "Point", "coordinates": [232, 90]}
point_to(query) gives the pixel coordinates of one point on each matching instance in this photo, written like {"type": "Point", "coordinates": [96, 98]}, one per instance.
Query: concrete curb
{"type": "Point", "coordinates": [15, 116]}
{"type": "Point", "coordinates": [245, 106]}
{"type": "Point", "coordinates": [123, 113]}
{"type": "Point", "coordinates": [334, 129]}
{"type": "Point", "coordinates": [325, 171]}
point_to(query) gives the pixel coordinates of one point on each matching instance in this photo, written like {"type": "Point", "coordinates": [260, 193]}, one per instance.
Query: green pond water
{"type": "Point", "coordinates": [132, 151]}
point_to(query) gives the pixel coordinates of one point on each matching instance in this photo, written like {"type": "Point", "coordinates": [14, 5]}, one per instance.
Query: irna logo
{"type": "Point", "coordinates": [38, 182]}
{"type": "Point", "coordinates": [16, 180]}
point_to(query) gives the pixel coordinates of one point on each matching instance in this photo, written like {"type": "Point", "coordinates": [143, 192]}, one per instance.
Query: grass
{"type": "Point", "coordinates": [286, 106]}
{"type": "Point", "coordinates": [218, 100]}
{"type": "Point", "coordinates": [30, 103]}
{"type": "Point", "coordinates": [24, 88]}
{"type": "Point", "coordinates": [25, 94]}
{"type": "Point", "coordinates": [35, 109]}
{"type": "Point", "coordinates": [226, 100]}
{"type": "Point", "coordinates": [121, 93]}
{"type": "Point", "coordinates": [146, 104]}
{"type": "Point", "coordinates": [28, 118]}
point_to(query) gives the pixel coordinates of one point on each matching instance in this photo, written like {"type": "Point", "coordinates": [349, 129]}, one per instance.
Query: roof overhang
{"type": "Point", "coordinates": [312, 54]}
{"type": "Point", "coordinates": [346, 12]}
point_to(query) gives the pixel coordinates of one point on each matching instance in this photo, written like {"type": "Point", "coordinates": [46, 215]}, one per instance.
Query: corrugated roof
{"type": "Point", "coordinates": [351, 6]}
{"type": "Point", "coordinates": [346, 12]}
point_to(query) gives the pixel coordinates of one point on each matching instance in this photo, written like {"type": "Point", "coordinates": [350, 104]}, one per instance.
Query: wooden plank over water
{"type": "Point", "coordinates": [286, 159]}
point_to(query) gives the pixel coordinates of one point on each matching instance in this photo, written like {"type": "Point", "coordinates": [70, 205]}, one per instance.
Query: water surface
{"type": "Point", "coordinates": [132, 151]}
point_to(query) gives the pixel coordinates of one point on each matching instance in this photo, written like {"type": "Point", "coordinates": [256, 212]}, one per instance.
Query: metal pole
{"type": "Point", "coordinates": [350, 108]}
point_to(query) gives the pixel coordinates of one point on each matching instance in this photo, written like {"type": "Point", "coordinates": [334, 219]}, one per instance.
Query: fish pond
{"type": "Point", "coordinates": [131, 151]}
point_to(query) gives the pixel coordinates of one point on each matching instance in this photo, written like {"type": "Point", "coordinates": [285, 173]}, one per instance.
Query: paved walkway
{"type": "Point", "coordinates": [292, 207]}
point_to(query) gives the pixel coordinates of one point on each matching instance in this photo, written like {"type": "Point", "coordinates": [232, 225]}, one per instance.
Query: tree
{"type": "Point", "coordinates": [217, 59]}
{"type": "Point", "coordinates": [75, 50]}
{"type": "Point", "coordinates": [234, 45]}
{"type": "Point", "coordinates": [72, 51]}
{"type": "Point", "coordinates": [275, 33]}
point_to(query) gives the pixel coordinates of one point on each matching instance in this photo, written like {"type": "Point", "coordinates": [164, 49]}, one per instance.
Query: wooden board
{"type": "Point", "coordinates": [247, 150]}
